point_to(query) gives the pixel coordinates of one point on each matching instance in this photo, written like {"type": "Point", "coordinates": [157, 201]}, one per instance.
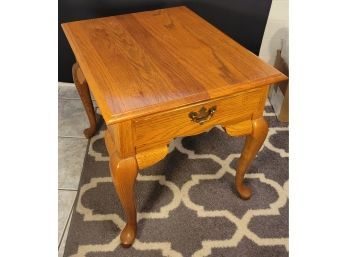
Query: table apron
{"type": "Point", "coordinates": [161, 128]}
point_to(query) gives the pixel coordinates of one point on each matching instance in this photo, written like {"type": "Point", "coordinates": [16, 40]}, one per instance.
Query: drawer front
{"type": "Point", "coordinates": [162, 127]}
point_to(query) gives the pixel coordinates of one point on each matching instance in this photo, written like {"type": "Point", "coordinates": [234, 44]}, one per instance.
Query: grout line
{"type": "Point", "coordinates": [67, 189]}
{"type": "Point", "coordinates": [65, 230]}
{"type": "Point", "coordinates": [69, 98]}
{"type": "Point", "coordinates": [72, 137]}
{"type": "Point", "coordinates": [66, 224]}
{"type": "Point", "coordinates": [72, 98]}
{"type": "Point", "coordinates": [77, 194]}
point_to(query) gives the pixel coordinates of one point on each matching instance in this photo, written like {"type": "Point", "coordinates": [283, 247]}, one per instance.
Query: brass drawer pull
{"type": "Point", "coordinates": [202, 115]}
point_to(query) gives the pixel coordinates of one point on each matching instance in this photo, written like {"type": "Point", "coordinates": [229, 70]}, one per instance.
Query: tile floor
{"type": "Point", "coordinates": [71, 149]}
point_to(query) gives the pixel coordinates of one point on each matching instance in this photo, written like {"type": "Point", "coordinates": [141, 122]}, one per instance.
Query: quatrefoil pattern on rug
{"type": "Point", "coordinates": [187, 203]}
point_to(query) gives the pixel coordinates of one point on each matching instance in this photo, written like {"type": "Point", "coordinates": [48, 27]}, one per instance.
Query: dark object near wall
{"type": "Point", "coordinates": [243, 20]}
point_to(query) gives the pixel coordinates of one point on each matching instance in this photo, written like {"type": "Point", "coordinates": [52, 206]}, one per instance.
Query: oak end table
{"type": "Point", "coordinates": [161, 74]}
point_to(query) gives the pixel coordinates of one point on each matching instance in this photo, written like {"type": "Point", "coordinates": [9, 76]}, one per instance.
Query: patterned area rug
{"type": "Point", "coordinates": [187, 203]}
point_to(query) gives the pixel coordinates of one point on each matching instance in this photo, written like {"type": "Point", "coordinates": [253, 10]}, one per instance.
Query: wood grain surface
{"type": "Point", "coordinates": [150, 71]}
{"type": "Point", "coordinates": [83, 90]}
{"type": "Point", "coordinates": [162, 127]}
{"type": "Point", "coordinates": [252, 145]}
{"type": "Point", "coordinates": [142, 63]}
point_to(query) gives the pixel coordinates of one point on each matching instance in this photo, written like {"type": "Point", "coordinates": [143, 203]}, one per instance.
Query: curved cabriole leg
{"type": "Point", "coordinates": [124, 173]}
{"type": "Point", "coordinates": [252, 145]}
{"type": "Point", "coordinates": [85, 95]}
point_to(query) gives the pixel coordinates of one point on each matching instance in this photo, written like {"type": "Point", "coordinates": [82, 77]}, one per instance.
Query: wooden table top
{"type": "Point", "coordinates": [147, 62]}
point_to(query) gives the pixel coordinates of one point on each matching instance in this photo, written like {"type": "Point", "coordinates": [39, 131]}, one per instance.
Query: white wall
{"type": "Point", "coordinates": [277, 28]}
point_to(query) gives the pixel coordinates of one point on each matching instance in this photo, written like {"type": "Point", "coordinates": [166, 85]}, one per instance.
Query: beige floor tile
{"type": "Point", "coordinates": [68, 91]}
{"type": "Point", "coordinates": [63, 241]}
{"type": "Point", "coordinates": [65, 202]}
{"type": "Point", "coordinates": [71, 154]}
{"type": "Point", "coordinates": [72, 118]}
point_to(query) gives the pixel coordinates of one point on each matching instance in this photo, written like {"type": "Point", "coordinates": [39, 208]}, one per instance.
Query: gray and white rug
{"type": "Point", "coordinates": [187, 203]}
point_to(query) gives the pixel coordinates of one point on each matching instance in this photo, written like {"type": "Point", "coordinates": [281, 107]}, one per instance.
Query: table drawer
{"type": "Point", "coordinates": [162, 127]}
